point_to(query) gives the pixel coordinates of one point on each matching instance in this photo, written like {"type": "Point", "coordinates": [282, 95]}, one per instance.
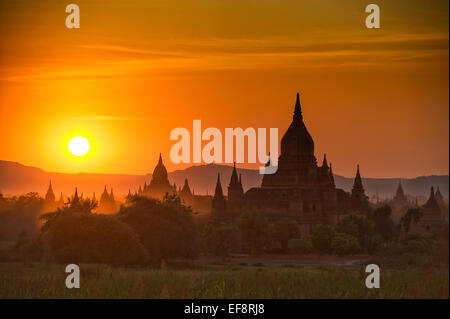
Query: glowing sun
{"type": "Point", "coordinates": [79, 146]}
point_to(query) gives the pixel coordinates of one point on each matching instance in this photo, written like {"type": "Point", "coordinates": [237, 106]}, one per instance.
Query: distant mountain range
{"type": "Point", "coordinates": [16, 178]}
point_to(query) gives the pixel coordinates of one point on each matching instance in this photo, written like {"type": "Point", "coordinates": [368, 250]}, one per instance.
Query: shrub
{"type": "Point", "coordinates": [418, 244]}
{"type": "Point", "coordinates": [322, 238]}
{"type": "Point", "coordinates": [27, 248]}
{"type": "Point", "coordinates": [254, 229]}
{"type": "Point", "coordinates": [18, 215]}
{"type": "Point", "coordinates": [344, 244]}
{"type": "Point", "coordinates": [92, 238]}
{"type": "Point", "coordinates": [301, 245]}
{"type": "Point", "coordinates": [358, 226]}
{"type": "Point", "coordinates": [165, 228]}
{"type": "Point", "coordinates": [283, 230]}
{"type": "Point", "coordinates": [221, 240]}
{"type": "Point", "coordinates": [274, 247]}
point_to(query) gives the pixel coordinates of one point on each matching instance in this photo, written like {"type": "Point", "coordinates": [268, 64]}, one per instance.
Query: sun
{"type": "Point", "coordinates": [79, 146]}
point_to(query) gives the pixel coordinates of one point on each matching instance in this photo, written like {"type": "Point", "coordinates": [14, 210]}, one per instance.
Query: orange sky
{"type": "Point", "coordinates": [137, 69]}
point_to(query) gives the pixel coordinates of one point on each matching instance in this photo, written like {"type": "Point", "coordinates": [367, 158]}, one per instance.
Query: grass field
{"type": "Point", "coordinates": [221, 281]}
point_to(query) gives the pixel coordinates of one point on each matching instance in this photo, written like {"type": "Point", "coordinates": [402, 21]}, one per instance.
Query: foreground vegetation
{"type": "Point", "coordinates": [232, 281]}
{"type": "Point", "coordinates": [154, 249]}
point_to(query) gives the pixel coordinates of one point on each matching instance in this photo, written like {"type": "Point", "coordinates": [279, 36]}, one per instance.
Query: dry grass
{"type": "Point", "coordinates": [100, 281]}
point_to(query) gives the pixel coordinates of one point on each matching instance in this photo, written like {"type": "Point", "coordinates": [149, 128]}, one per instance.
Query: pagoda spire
{"type": "Point", "coordinates": [160, 162]}
{"type": "Point", "coordinates": [105, 195]}
{"type": "Point", "coordinates": [431, 202]}
{"type": "Point", "coordinates": [400, 194]}
{"type": "Point", "coordinates": [218, 194]}
{"type": "Point", "coordinates": [357, 184]}
{"type": "Point", "coordinates": [218, 202]}
{"type": "Point", "coordinates": [298, 117]}
{"type": "Point", "coordinates": [186, 190]}
{"type": "Point", "coordinates": [234, 178]}
{"type": "Point", "coordinates": [324, 163]}
{"type": "Point", "coordinates": [50, 196]}
{"type": "Point", "coordinates": [75, 199]}
{"type": "Point", "coordinates": [439, 197]}
{"type": "Point", "coordinates": [61, 200]}
{"type": "Point", "coordinates": [332, 176]}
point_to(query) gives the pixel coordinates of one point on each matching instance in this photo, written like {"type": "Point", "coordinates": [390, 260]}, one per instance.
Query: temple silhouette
{"type": "Point", "coordinates": [299, 189]}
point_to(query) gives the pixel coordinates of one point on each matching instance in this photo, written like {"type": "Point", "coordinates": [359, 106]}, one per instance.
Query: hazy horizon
{"type": "Point", "coordinates": [238, 165]}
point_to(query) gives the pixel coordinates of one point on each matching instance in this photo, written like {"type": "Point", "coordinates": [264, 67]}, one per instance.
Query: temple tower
{"type": "Point", "coordinates": [159, 185]}
{"type": "Point", "coordinates": [218, 210]}
{"type": "Point", "coordinates": [235, 190]}
{"type": "Point", "coordinates": [50, 199]}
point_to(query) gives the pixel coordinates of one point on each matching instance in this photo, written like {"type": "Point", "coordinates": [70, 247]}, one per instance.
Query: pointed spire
{"type": "Point", "coordinates": [105, 196]}
{"type": "Point", "coordinates": [438, 193]}
{"type": "Point", "coordinates": [50, 196]}
{"type": "Point", "coordinates": [298, 117]}
{"type": "Point", "coordinates": [431, 202]}
{"type": "Point", "coordinates": [218, 193]}
{"type": "Point", "coordinates": [75, 198]}
{"type": "Point", "coordinates": [61, 200]}
{"type": "Point", "coordinates": [400, 194]}
{"type": "Point", "coordinates": [358, 188]}
{"type": "Point", "coordinates": [439, 198]}
{"type": "Point", "coordinates": [332, 176]}
{"type": "Point", "coordinates": [186, 190]}
{"type": "Point", "coordinates": [324, 163]}
{"type": "Point", "coordinates": [432, 193]}
{"type": "Point", "coordinates": [111, 196]}
{"type": "Point", "coordinates": [218, 202]}
{"type": "Point", "coordinates": [234, 178]}
{"type": "Point", "coordinates": [160, 159]}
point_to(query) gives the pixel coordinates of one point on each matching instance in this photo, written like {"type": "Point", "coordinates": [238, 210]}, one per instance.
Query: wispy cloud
{"type": "Point", "coordinates": [117, 118]}
{"type": "Point", "coordinates": [108, 60]}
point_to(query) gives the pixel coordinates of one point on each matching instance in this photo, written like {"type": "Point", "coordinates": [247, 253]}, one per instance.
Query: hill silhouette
{"type": "Point", "coordinates": [16, 178]}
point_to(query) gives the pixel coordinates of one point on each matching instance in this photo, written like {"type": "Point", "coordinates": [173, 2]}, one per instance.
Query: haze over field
{"type": "Point", "coordinates": [16, 178]}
